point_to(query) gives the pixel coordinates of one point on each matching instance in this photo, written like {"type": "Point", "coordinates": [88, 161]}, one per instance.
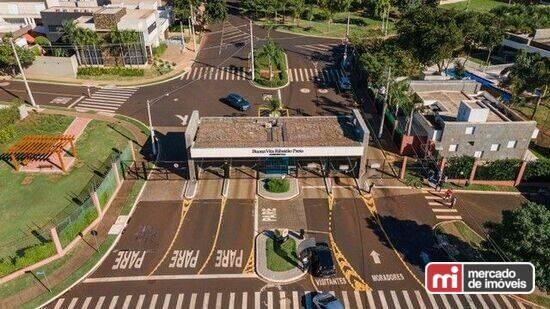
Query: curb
{"type": "Point", "coordinates": [102, 259]}
{"type": "Point", "coordinates": [289, 280]}
{"type": "Point", "coordinates": [275, 198]}
{"type": "Point", "coordinates": [253, 83]}
{"type": "Point", "coordinates": [303, 34]}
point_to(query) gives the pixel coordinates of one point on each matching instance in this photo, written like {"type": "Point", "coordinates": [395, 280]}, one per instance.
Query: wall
{"type": "Point", "coordinates": [53, 67]}
{"type": "Point", "coordinates": [528, 48]}
{"type": "Point", "coordinates": [450, 85]}
{"type": "Point", "coordinates": [486, 134]}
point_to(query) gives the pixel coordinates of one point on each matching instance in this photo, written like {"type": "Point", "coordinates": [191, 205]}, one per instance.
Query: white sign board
{"type": "Point", "coordinates": [277, 152]}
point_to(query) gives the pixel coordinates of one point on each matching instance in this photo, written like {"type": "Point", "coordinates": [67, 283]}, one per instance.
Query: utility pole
{"type": "Point", "coordinates": [182, 39]}
{"type": "Point", "coordinates": [29, 93]}
{"type": "Point", "coordinates": [385, 106]}
{"type": "Point", "coordinates": [251, 50]}
{"type": "Point", "coordinates": [347, 38]}
{"type": "Point", "coordinates": [153, 145]}
{"type": "Point", "coordinates": [192, 31]}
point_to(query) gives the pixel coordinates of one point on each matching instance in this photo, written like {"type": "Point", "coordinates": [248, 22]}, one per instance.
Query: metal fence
{"type": "Point", "coordinates": [75, 220]}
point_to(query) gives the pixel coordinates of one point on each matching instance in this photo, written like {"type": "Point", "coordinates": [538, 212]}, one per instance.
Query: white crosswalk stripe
{"type": "Point", "coordinates": [441, 207]}
{"type": "Point", "coordinates": [319, 48]}
{"type": "Point", "coordinates": [326, 76]}
{"type": "Point", "coordinates": [383, 299]}
{"type": "Point", "coordinates": [106, 100]}
{"type": "Point", "coordinates": [213, 73]}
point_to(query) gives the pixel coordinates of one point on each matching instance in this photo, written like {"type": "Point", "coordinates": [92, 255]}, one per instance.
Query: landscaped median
{"type": "Point", "coordinates": [270, 66]}
{"type": "Point", "coordinates": [47, 214]}
{"type": "Point", "coordinates": [277, 258]}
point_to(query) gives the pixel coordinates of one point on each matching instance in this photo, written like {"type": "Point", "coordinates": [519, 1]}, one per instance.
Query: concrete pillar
{"type": "Point", "coordinates": [114, 167]}
{"type": "Point", "coordinates": [56, 242]}
{"type": "Point", "coordinates": [520, 173]}
{"type": "Point", "coordinates": [473, 172]}
{"type": "Point", "coordinates": [95, 200]}
{"type": "Point", "coordinates": [403, 168]}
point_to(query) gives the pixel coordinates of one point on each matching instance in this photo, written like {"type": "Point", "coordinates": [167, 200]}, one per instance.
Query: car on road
{"type": "Point", "coordinates": [322, 264]}
{"type": "Point", "coordinates": [327, 301]}
{"type": "Point", "coordinates": [344, 84]}
{"type": "Point", "coordinates": [238, 102]}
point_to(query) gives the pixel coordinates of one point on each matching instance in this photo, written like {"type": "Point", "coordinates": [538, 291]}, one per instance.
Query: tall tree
{"type": "Point", "coordinates": [270, 50]}
{"type": "Point", "coordinates": [523, 236]}
{"type": "Point", "coordinates": [215, 11]}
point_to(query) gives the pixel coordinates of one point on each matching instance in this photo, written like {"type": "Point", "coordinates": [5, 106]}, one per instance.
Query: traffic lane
{"type": "Point", "coordinates": [408, 221]}
{"type": "Point", "coordinates": [234, 245]}
{"type": "Point", "coordinates": [361, 239]}
{"type": "Point", "coordinates": [477, 209]}
{"type": "Point", "coordinates": [194, 240]}
{"type": "Point", "coordinates": [44, 94]}
{"type": "Point", "coordinates": [312, 98]}
{"type": "Point", "coordinates": [144, 240]}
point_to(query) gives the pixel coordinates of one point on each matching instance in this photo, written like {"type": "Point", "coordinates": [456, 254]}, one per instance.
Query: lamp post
{"type": "Point", "coordinates": [29, 93]}
{"type": "Point", "coordinates": [153, 145]}
{"type": "Point", "coordinates": [251, 50]}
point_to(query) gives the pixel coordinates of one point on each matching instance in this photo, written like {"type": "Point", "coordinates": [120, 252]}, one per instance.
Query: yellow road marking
{"type": "Point", "coordinates": [313, 283]}
{"type": "Point", "coordinates": [352, 277]}
{"type": "Point", "coordinates": [224, 200]}
{"type": "Point", "coordinates": [369, 202]}
{"type": "Point", "coordinates": [249, 267]}
{"type": "Point", "coordinates": [184, 209]}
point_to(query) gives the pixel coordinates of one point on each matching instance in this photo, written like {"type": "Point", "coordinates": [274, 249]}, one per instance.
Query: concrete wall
{"type": "Point", "coordinates": [486, 134]}
{"type": "Point", "coordinates": [45, 66]}
{"type": "Point", "coordinates": [527, 48]}
{"type": "Point", "coordinates": [467, 86]}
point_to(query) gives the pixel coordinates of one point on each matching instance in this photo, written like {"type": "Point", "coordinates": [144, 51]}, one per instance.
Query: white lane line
{"type": "Point", "coordinates": [269, 300]}
{"type": "Point", "coordinates": [457, 301]}
{"type": "Point", "coordinates": [395, 299]}
{"type": "Point", "coordinates": [231, 300]}
{"type": "Point", "coordinates": [76, 101]}
{"type": "Point", "coordinates": [219, 301]}
{"type": "Point", "coordinates": [114, 300]}
{"type": "Point", "coordinates": [99, 303]}
{"type": "Point", "coordinates": [435, 204]}
{"type": "Point", "coordinates": [408, 300]}
{"type": "Point", "coordinates": [169, 277]}
{"type": "Point", "coordinates": [445, 301]}
{"type": "Point", "coordinates": [506, 302]}
{"type": "Point", "coordinates": [482, 301]}
{"type": "Point", "coordinates": [179, 302]}
{"type": "Point", "coordinates": [72, 303]}
{"type": "Point", "coordinates": [126, 303]}
{"type": "Point", "coordinates": [244, 305]}
{"type": "Point", "coordinates": [194, 70]}
{"type": "Point", "coordinates": [301, 75]}
{"type": "Point", "coordinates": [306, 75]}
{"type": "Point", "coordinates": [282, 299]}
{"type": "Point", "coordinates": [140, 301]}
{"type": "Point", "coordinates": [432, 301]}
{"type": "Point", "coordinates": [444, 210]}
{"type": "Point", "coordinates": [433, 197]}
{"type": "Point", "coordinates": [358, 300]}
{"type": "Point", "coordinates": [345, 299]}
{"type": "Point", "coordinates": [470, 301]}
{"type": "Point", "coordinates": [448, 217]}
{"type": "Point", "coordinates": [383, 299]}
{"type": "Point", "coordinates": [193, 301]}
{"type": "Point", "coordinates": [217, 72]}
{"type": "Point", "coordinates": [370, 299]}
{"type": "Point", "coordinates": [166, 301]}
{"type": "Point", "coordinates": [99, 104]}
{"type": "Point", "coordinates": [289, 73]}
{"type": "Point", "coordinates": [419, 299]}
{"type": "Point", "coordinates": [153, 301]}
{"type": "Point", "coordinates": [99, 107]}
{"type": "Point", "coordinates": [205, 300]}
{"type": "Point", "coordinates": [296, 300]}
{"type": "Point", "coordinates": [86, 303]}
{"type": "Point", "coordinates": [257, 303]}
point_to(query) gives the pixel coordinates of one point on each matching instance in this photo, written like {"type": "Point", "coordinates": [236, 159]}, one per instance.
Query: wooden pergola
{"type": "Point", "coordinates": [41, 148]}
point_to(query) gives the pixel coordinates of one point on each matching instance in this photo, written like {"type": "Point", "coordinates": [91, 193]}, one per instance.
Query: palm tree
{"type": "Point", "coordinates": [275, 107]}
{"type": "Point", "coordinates": [270, 50]}
{"type": "Point", "coordinates": [123, 37]}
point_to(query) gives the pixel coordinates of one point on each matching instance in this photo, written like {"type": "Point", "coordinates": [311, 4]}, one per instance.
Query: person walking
{"type": "Point", "coordinates": [448, 194]}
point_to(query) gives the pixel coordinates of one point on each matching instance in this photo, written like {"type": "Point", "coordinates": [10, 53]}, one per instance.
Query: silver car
{"type": "Point", "coordinates": [327, 301]}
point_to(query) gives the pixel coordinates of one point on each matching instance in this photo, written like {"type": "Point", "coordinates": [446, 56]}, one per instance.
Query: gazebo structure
{"type": "Point", "coordinates": [32, 150]}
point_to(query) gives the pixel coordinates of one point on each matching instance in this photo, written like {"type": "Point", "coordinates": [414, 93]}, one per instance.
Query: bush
{"type": "Point", "coordinates": [8, 116]}
{"type": "Point", "coordinates": [42, 41]}
{"type": "Point", "coordinates": [159, 50]}
{"type": "Point", "coordinates": [459, 167]}
{"type": "Point", "coordinates": [538, 171]}
{"type": "Point", "coordinates": [277, 185]}
{"type": "Point", "coordinates": [117, 71]}
{"type": "Point", "coordinates": [505, 169]}
{"type": "Point", "coordinates": [7, 133]}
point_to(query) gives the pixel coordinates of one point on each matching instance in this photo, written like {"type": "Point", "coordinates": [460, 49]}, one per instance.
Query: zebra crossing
{"type": "Point", "coordinates": [441, 207]}
{"type": "Point", "coordinates": [232, 34]}
{"type": "Point", "coordinates": [216, 73]}
{"type": "Point", "coordinates": [325, 76]}
{"type": "Point", "coordinates": [319, 48]}
{"type": "Point", "coordinates": [105, 100]}
{"type": "Point", "coordinates": [291, 299]}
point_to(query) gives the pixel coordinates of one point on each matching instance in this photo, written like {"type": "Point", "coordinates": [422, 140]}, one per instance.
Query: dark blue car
{"type": "Point", "coordinates": [238, 102]}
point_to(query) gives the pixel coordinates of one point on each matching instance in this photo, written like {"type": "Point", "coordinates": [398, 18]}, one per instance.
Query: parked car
{"type": "Point", "coordinates": [238, 102]}
{"type": "Point", "coordinates": [327, 301]}
{"type": "Point", "coordinates": [344, 84]}
{"type": "Point", "coordinates": [322, 264]}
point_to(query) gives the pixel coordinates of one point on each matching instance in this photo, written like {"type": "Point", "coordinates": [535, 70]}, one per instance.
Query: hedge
{"type": "Point", "coordinates": [277, 185]}
{"type": "Point", "coordinates": [8, 118]}
{"type": "Point", "coordinates": [506, 169]}
{"type": "Point", "coordinates": [538, 171]}
{"type": "Point", "coordinates": [459, 167]}
{"type": "Point", "coordinates": [118, 71]}
{"type": "Point", "coordinates": [81, 222]}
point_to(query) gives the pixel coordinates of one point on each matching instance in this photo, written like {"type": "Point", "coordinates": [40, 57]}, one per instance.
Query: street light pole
{"type": "Point", "coordinates": [182, 39]}
{"type": "Point", "coordinates": [153, 145]}
{"type": "Point", "coordinates": [192, 31]}
{"type": "Point", "coordinates": [385, 105]}
{"type": "Point", "coordinates": [251, 50]}
{"type": "Point", "coordinates": [347, 38]}
{"type": "Point", "coordinates": [29, 93]}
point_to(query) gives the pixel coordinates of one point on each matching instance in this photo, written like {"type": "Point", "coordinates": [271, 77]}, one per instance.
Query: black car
{"type": "Point", "coordinates": [238, 102]}
{"type": "Point", "coordinates": [322, 264]}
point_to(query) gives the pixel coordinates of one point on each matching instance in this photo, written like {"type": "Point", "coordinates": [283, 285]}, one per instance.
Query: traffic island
{"type": "Point", "coordinates": [270, 67]}
{"type": "Point", "coordinates": [278, 188]}
{"type": "Point", "coordinates": [276, 259]}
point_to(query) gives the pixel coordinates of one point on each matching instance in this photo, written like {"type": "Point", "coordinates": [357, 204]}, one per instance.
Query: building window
{"type": "Point", "coordinates": [152, 27]}
{"type": "Point", "coordinates": [478, 154]}
{"type": "Point", "coordinates": [495, 147]}
{"type": "Point", "coordinates": [470, 130]}
{"type": "Point", "coordinates": [453, 147]}
{"type": "Point", "coordinates": [512, 144]}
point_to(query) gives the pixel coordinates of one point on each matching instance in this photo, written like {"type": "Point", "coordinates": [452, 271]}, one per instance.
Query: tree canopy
{"type": "Point", "coordinates": [215, 11]}
{"type": "Point", "coordinates": [8, 63]}
{"type": "Point", "coordinates": [530, 71]}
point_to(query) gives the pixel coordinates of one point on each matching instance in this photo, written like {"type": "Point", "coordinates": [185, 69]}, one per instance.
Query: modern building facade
{"type": "Point", "coordinates": [322, 146]}
{"type": "Point", "coordinates": [457, 118]}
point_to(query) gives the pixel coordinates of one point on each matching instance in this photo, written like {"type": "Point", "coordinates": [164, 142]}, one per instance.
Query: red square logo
{"type": "Point", "coordinates": [444, 278]}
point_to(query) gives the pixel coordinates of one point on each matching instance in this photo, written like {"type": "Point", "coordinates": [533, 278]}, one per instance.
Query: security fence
{"type": "Point", "coordinates": [75, 220]}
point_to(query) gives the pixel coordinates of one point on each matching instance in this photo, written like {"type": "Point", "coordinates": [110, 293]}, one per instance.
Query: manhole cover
{"type": "Point", "coordinates": [304, 90]}
{"type": "Point", "coordinates": [176, 99]}
{"type": "Point", "coordinates": [60, 100]}
{"type": "Point", "coordinates": [4, 84]}
{"type": "Point", "coordinates": [322, 90]}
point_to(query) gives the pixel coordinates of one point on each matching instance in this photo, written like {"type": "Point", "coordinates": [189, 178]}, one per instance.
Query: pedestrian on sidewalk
{"type": "Point", "coordinates": [448, 194]}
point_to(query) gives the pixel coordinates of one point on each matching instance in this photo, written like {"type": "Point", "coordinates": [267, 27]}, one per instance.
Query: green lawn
{"type": "Point", "coordinates": [542, 117]}
{"type": "Point", "coordinates": [475, 5]}
{"type": "Point", "coordinates": [282, 258]}
{"type": "Point", "coordinates": [30, 200]}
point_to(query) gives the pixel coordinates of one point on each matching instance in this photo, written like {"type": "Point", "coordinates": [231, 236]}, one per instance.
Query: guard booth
{"type": "Point", "coordinates": [317, 146]}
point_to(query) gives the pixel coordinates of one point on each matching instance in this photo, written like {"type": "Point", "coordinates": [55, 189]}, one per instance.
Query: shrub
{"type": "Point", "coordinates": [8, 116]}
{"type": "Point", "coordinates": [505, 169]}
{"type": "Point", "coordinates": [118, 71]}
{"type": "Point", "coordinates": [42, 41]}
{"type": "Point", "coordinates": [459, 167]}
{"type": "Point", "coordinates": [159, 50]}
{"type": "Point", "coordinates": [7, 133]}
{"type": "Point", "coordinates": [277, 185]}
{"type": "Point", "coordinates": [538, 171]}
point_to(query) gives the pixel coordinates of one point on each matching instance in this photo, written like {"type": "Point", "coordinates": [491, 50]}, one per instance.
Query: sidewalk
{"type": "Point", "coordinates": [85, 249]}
